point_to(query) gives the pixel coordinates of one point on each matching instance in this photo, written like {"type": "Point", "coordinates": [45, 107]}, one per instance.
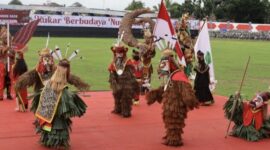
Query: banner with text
{"type": "Point", "coordinates": [14, 16]}
{"type": "Point", "coordinates": [114, 22]}
{"type": "Point", "coordinates": [79, 21]}
{"type": "Point", "coordinates": [91, 21]}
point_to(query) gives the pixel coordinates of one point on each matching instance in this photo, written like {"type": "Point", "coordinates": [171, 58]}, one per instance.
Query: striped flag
{"type": "Point", "coordinates": [164, 30]}
{"type": "Point", "coordinates": [24, 35]}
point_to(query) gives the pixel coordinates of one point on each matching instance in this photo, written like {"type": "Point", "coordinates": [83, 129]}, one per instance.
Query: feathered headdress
{"type": "Point", "coordinates": [57, 54]}
{"type": "Point", "coordinates": [118, 48]}
{"type": "Point", "coordinates": [119, 39]}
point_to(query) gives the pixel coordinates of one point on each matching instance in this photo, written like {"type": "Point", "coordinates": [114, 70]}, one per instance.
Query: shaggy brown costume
{"type": "Point", "coordinates": [31, 78]}
{"type": "Point", "coordinates": [124, 85]}
{"type": "Point", "coordinates": [146, 47]}
{"type": "Point", "coordinates": [45, 71]}
{"type": "Point", "coordinates": [124, 88]}
{"type": "Point", "coordinates": [177, 100]}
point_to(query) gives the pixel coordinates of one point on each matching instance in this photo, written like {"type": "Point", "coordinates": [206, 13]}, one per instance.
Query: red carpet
{"type": "Point", "coordinates": [100, 130]}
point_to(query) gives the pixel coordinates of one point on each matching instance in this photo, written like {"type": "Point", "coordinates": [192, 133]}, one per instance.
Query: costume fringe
{"type": "Point", "coordinates": [29, 78]}
{"type": "Point", "coordinates": [71, 105]}
{"type": "Point", "coordinates": [177, 100]}
{"type": "Point", "coordinates": [124, 88]}
{"type": "Point", "coordinates": [154, 95]}
{"type": "Point", "coordinates": [237, 117]}
{"type": "Point", "coordinates": [188, 94]}
{"type": "Point", "coordinates": [78, 83]}
{"type": "Point", "coordinates": [248, 133]}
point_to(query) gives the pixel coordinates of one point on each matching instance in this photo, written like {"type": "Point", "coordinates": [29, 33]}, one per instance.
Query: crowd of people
{"type": "Point", "coordinates": [234, 34]}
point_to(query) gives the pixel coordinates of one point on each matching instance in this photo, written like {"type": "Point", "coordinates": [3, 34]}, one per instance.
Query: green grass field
{"type": "Point", "coordinates": [230, 57]}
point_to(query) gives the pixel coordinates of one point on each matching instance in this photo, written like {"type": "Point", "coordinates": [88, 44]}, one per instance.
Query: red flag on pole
{"type": "Point", "coordinates": [165, 30]}
{"type": "Point", "coordinates": [22, 36]}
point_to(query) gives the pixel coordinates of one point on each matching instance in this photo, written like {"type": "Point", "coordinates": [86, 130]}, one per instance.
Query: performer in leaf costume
{"type": "Point", "coordinates": [250, 117]}
{"type": "Point", "coordinates": [54, 107]}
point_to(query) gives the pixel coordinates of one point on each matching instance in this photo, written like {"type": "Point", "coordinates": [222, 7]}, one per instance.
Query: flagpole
{"type": "Point", "coordinates": [237, 96]}
{"type": "Point", "coordinates": [163, 15]}
{"type": "Point", "coordinates": [198, 46]}
{"type": "Point", "coordinates": [204, 21]}
{"type": "Point", "coordinates": [8, 44]}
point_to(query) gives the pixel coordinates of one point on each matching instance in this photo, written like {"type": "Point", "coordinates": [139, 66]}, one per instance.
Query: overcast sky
{"type": "Point", "coordinates": [112, 4]}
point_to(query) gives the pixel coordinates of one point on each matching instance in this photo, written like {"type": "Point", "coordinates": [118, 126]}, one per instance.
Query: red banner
{"type": "Point", "coordinates": [15, 16]}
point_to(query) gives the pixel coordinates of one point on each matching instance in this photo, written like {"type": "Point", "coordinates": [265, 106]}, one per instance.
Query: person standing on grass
{"type": "Point", "coordinates": [202, 81]}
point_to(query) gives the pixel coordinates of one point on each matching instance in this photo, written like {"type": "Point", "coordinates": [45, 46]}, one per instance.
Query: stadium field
{"type": "Point", "coordinates": [229, 56]}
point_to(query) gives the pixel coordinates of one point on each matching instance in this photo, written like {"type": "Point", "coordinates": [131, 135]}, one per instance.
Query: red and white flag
{"type": "Point", "coordinates": [165, 32]}
{"type": "Point", "coordinates": [22, 36]}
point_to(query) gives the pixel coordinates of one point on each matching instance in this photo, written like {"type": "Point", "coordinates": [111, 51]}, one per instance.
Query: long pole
{"type": "Point", "coordinates": [48, 39]}
{"type": "Point", "coordinates": [8, 44]}
{"type": "Point", "coordinates": [67, 49]}
{"type": "Point", "coordinates": [237, 97]}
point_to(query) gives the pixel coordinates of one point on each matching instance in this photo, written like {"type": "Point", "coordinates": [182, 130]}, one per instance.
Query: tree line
{"type": "Point", "coordinates": [243, 11]}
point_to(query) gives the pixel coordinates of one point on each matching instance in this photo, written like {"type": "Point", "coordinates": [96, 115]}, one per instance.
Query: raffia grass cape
{"type": "Point", "coordinates": [248, 133]}
{"type": "Point", "coordinates": [67, 105]}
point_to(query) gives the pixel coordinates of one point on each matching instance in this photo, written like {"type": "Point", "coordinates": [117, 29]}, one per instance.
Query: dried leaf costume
{"type": "Point", "coordinates": [177, 97]}
{"type": "Point", "coordinates": [250, 117]}
{"type": "Point", "coordinates": [186, 41]}
{"type": "Point", "coordinates": [55, 106]}
{"type": "Point", "coordinates": [146, 47]}
{"type": "Point", "coordinates": [122, 81]}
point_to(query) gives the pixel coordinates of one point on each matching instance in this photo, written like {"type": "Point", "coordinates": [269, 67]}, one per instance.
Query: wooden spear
{"type": "Point", "coordinates": [237, 96]}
